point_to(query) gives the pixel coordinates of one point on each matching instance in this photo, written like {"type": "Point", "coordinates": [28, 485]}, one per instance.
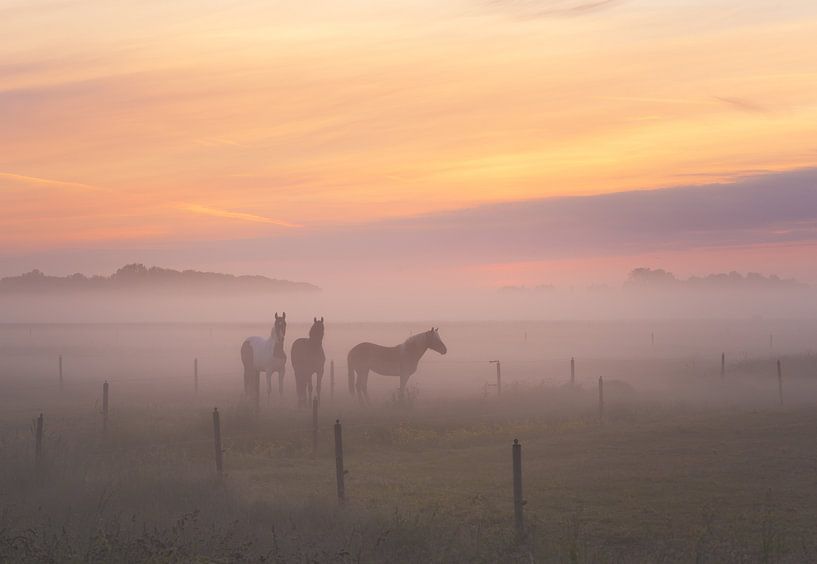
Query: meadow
{"type": "Point", "coordinates": [685, 464]}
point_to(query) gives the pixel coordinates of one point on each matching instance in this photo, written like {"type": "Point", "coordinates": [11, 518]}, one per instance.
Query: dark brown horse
{"type": "Point", "coordinates": [399, 361]}
{"type": "Point", "coordinates": [308, 359]}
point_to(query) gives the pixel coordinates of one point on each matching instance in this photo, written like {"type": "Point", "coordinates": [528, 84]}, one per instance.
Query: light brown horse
{"type": "Point", "coordinates": [399, 361]}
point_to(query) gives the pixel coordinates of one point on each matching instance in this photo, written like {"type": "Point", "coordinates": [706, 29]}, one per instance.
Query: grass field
{"type": "Point", "coordinates": [716, 471]}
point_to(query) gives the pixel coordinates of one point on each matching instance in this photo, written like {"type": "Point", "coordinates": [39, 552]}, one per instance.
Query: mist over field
{"type": "Point", "coordinates": [451, 281]}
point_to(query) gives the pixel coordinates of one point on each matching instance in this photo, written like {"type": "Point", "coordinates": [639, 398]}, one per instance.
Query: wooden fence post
{"type": "Point", "coordinates": [780, 381]}
{"type": "Point", "coordinates": [601, 398]}
{"type": "Point", "coordinates": [314, 426]}
{"type": "Point", "coordinates": [723, 364]}
{"type": "Point", "coordinates": [572, 371]}
{"type": "Point", "coordinates": [105, 406]}
{"type": "Point", "coordinates": [498, 376]}
{"type": "Point", "coordinates": [60, 372]}
{"type": "Point", "coordinates": [652, 338]}
{"type": "Point", "coordinates": [217, 443]}
{"type": "Point", "coordinates": [340, 473]}
{"type": "Point", "coordinates": [331, 380]}
{"type": "Point", "coordinates": [38, 444]}
{"type": "Point", "coordinates": [517, 488]}
{"type": "Point", "coordinates": [196, 375]}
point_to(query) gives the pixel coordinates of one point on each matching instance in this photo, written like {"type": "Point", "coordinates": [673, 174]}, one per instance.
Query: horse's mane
{"type": "Point", "coordinates": [415, 340]}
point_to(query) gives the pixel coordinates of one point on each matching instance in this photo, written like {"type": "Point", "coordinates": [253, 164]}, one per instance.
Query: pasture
{"type": "Point", "coordinates": [685, 464]}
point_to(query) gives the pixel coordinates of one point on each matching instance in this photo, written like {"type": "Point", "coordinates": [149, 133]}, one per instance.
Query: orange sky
{"type": "Point", "coordinates": [138, 123]}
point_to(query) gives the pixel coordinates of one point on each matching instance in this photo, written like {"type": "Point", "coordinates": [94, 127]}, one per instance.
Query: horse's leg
{"type": "Point", "coordinates": [362, 376]}
{"type": "Point", "coordinates": [301, 383]}
{"type": "Point", "coordinates": [281, 373]}
{"type": "Point", "coordinates": [256, 390]}
{"type": "Point", "coordinates": [269, 384]}
{"type": "Point", "coordinates": [319, 379]}
{"type": "Point", "coordinates": [403, 381]}
{"type": "Point", "coordinates": [366, 387]}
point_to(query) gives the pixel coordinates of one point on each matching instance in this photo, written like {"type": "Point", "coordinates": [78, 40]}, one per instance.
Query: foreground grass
{"type": "Point", "coordinates": [654, 483]}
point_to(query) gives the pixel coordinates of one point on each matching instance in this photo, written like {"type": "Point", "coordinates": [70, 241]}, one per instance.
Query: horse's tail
{"type": "Point", "coordinates": [351, 373]}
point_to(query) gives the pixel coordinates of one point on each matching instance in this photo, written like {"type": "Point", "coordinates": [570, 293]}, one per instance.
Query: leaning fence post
{"type": "Point", "coordinates": [38, 444]}
{"type": "Point", "coordinates": [723, 364]}
{"type": "Point", "coordinates": [339, 471]}
{"type": "Point", "coordinates": [314, 426]}
{"type": "Point", "coordinates": [105, 406]}
{"type": "Point", "coordinates": [572, 371]}
{"type": "Point", "coordinates": [60, 372]}
{"type": "Point", "coordinates": [217, 443]}
{"type": "Point", "coordinates": [601, 398]}
{"type": "Point", "coordinates": [331, 379]}
{"type": "Point", "coordinates": [780, 381]}
{"type": "Point", "coordinates": [517, 487]}
{"type": "Point", "coordinates": [196, 375]}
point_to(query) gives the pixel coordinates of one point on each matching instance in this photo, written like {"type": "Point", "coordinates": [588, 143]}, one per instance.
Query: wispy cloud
{"type": "Point", "coordinates": [45, 182]}
{"type": "Point", "coordinates": [228, 214]}
{"type": "Point", "coordinates": [546, 8]}
{"type": "Point", "coordinates": [743, 105]}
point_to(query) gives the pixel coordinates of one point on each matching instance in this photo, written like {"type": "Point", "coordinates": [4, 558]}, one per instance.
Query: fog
{"type": "Point", "coordinates": [677, 399]}
{"type": "Point", "coordinates": [414, 303]}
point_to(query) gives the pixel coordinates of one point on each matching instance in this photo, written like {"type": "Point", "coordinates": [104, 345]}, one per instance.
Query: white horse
{"type": "Point", "coordinates": [265, 355]}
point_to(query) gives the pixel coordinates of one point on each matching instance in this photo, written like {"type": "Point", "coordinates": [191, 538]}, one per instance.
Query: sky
{"type": "Point", "coordinates": [464, 143]}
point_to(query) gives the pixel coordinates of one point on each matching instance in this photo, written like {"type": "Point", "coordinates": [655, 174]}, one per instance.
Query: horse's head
{"type": "Point", "coordinates": [279, 330]}
{"type": "Point", "coordinates": [434, 342]}
{"type": "Point", "coordinates": [316, 331]}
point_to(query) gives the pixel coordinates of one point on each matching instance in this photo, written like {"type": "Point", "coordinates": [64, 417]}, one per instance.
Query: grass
{"type": "Point", "coordinates": [432, 483]}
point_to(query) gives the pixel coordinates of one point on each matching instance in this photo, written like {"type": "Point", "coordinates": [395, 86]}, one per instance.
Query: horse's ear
{"type": "Point", "coordinates": [314, 320]}
{"type": "Point", "coordinates": [321, 319]}
{"type": "Point", "coordinates": [284, 315]}
{"type": "Point", "coordinates": [276, 315]}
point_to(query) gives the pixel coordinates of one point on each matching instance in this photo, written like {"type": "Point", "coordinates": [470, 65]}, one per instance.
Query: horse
{"type": "Point", "coordinates": [259, 354]}
{"type": "Point", "coordinates": [308, 358]}
{"type": "Point", "coordinates": [399, 361]}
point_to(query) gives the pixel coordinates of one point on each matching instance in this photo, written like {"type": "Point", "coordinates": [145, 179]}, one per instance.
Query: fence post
{"type": "Point", "coordinates": [38, 444]}
{"type": "Point", "coordinates": [652, 338]}
{"type": "Point", "coordinates": [331, 380]}
{"type": "Point", "coordinates": [217, 443]}
{"type": "Point", "coordinates": [780, 381]}
{"type": "Point", "coordinates": [517, 488]}
{"type": "Point", "coordinates": [339, 471]}
{"type": "Point", "coordinates": [572, 371]}
{"type": "Point", "coordinates": [723, 364]}
{"type": "Point", "coordinates": [498, 376]}
{"type": "Point", "coordinates": [601, 398]}
{"type": "Point", "coordinates": [314, 426]}
{"type": "Point", "coordinates": [60, 372]}
{"type": "Point", "coordinates": [105, 406]}
{"type": "Point", "coordinates": [196, 375]}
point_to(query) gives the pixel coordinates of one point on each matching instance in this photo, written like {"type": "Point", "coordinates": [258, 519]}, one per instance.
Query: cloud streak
{"type": "Point", "coordinates": [531, 9]}
{"type": "Point", "coordinates": [45, 182]}
{"type": "Point", "coordinates": [228, 214]}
